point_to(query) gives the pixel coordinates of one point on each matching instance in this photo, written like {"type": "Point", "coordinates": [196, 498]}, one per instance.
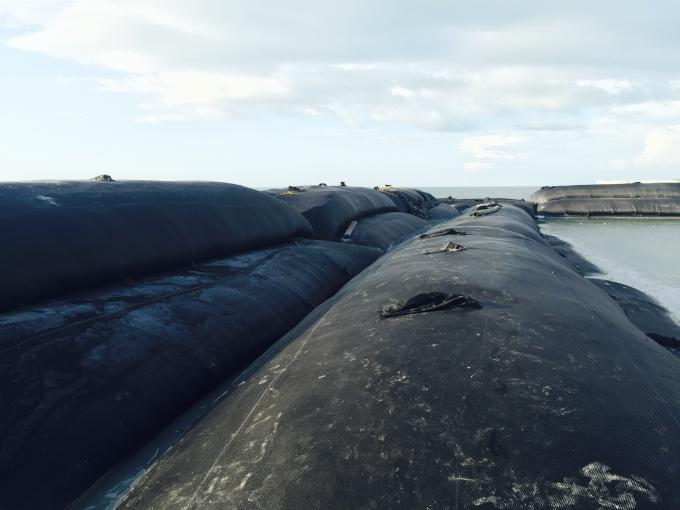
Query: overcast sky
{"type": "Point", "coordinates": [370, 92]}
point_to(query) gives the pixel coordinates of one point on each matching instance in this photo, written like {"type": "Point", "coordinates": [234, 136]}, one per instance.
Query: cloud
{"type": "Point", "coordinates": [193, 95]}
{"type": "Point", "coordinates": [436, 66]}
{"type": "Point", "coordinates": [618, 164]}
{"type": "Point", "coordinates": [662, 147]}
{"type": "Point", "coordinates": [15, 14]}
{"type": "Point", "coordinates": [399, 91]}
{"type": "Point", "coordinates": [611, 86]}
{"type": "Point", "coordinates": [473, 166]}
{"type": "Point", "coordinates": [648, 110]}
{"type": "Point", "coordinates": [496, 147]}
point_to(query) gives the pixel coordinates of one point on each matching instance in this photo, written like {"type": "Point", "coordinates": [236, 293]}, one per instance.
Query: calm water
{"type": "Point", "coordinates": [642, 253]}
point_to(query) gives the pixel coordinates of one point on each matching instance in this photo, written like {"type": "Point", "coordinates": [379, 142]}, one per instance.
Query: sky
{"type": "Point", "coordinates": [428, 93]}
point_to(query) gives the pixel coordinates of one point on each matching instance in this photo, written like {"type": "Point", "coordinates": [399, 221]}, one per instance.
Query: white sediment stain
{"type": "Point", "coordinates": [47, 200]}
{"type": "Point", "coordinates": [244, 481]}
{"type": "Point", "coordinates": [456, 478]}
{"type": "Point", "coordinates": [602, 487]}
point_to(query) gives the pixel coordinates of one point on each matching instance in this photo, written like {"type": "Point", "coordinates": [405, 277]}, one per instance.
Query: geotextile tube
{"type": "Point", "coordinates": [442, 212]}
{"type": "Point", "coordinates": [383, 230]}
{"type": "Point", "coordinates": [59, 237]}
{"type": "Point", "coordinates": [85, 381]}
{"type": "Point", "coordinates": [634, 199]}
{"type": "Point", "coordinates": [631, 190]}
{"type": "Point", "coordinates": [643, 311]}
{"type": "Point", "coordinates": [520, 384]}
{"type": "Point", "coordinates": [466, 203]}
{"type": "Point", "coordinates": [611, 207]}
{"type": "Point", "coordinates": [412, 201]}
{"type": "Point", "coordinates": [330, 209]}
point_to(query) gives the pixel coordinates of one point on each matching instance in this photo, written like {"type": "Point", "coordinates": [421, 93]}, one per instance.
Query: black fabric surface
{"type": "Point", "coordinates": [545, 397]}
{"type": "Point", "coordinates": [87, 380]}
{"type": "Point", "coordinates": [59, 237]}
{"type": "Point", "coordinates": [330, 209]}
{"type": "Point", "coordinates": [383, 230]}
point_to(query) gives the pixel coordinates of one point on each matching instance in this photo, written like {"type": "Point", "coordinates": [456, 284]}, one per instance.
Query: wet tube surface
{"type": "Point", "coordinates": [85, 381]}
{"type": "Point", "coordinates": [59, 237]}
{"type": "Point", "coordinates": [544, 396]}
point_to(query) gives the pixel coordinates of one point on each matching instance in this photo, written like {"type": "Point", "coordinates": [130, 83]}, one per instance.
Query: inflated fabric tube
{"type": "Point", "coordinates": [85, 381]}
{"type": "Point", "coordinates": [611, 207]}
{"type": "Point", "coordinates": [443, 212]}
{"type": "Point", "coordinates": [545, 397]}
{"type": "Point", "coordinates": [463, 204]}
{"type": "Point", "coordinates": [329, 209]}
{"type": "Point", "coordinates": [643, 311]}
{"type": "Point", "coordinates": [579, 263]}
{"type": "Point", "coordinates": [412, 201]}
{"type": "Point", "coordinates": [512, 220]}
{"type": "Point", "coordinates": [59, 237]}
{"type": "Point", "coordinates": [429, 197]}
{"type": "Point", "coordinates": [632, 190]}
{"type": "Point", "coordinates": [383, 230]}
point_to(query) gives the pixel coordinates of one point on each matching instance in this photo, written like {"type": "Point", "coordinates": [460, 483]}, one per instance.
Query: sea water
{"type": "Point", "coordinates": [641, 252]}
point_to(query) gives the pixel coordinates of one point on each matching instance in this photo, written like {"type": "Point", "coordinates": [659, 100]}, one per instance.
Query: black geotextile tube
{"type": "Point", "coordinates": [59, 237]}
{"type": "Point", "coordinates": [463, 204]}
{"type": "Point", "coordinates": [443, 212]}
{"type": "Point", "coordinates": [643, 311]}
{"type": "Point", "coordinates": [412, 201]}
{"type": "Point", "coordinates": [383, 230]}
{"type": "Point", "coordinates": [632, 190]}
{"type": "Point", "coordinates": [545, 397]}
{"type": "Point", "coordinates": [330, 209]}
{"type": "Point", "coordinates": [85, 381]}
{"type": "Point", "coordinates": [611, 207]}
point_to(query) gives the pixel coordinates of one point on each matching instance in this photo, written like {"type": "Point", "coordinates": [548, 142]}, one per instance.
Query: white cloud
{"type": "Point", "coordinates": [355, 67]}
{"type": "Point", "coordinates": [513, 67]}
{"type": "Point", "coordinates": [399, 91]}
{"type": "Point", "coordinates": [185, 95]}
{"type": "Point", "coordinates": [611, 86]}
{"type": "Point", "coordinates": [17, 13]}
{"type": "Point", "coordinates": [473, 166]}
{"type": "Point", "coordinates": [618, 164]}
{"type": "Point", "coordinates": [662, 147]}
{"type": "Point", "coordinates": [649, 110]}
{"type": "Point", "coordinates": [494, 147]}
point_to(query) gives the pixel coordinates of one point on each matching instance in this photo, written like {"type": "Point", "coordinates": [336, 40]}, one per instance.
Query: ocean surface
{"type": "Point", "coordinates": [643, 253]}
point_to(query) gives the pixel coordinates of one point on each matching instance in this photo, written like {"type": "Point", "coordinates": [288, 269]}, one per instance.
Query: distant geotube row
{"type": "Point", "coordinates": [634, 199]}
